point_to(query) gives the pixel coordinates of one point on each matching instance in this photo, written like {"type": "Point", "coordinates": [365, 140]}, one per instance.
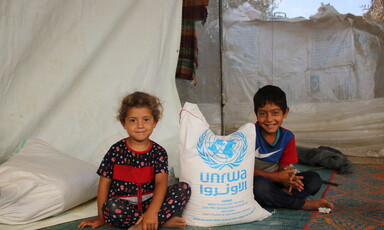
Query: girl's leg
{"type": "Point", "coordinates": [174, 202]}
{"type": "Point", "coordinates": [120, 213]}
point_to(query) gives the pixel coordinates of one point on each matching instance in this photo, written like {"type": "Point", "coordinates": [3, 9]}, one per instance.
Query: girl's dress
{"type": "Point", "coordinates": [133, 182]}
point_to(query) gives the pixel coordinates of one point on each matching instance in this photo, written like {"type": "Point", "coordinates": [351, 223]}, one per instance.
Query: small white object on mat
{"type": "Point", "coordinates": [324, 210]}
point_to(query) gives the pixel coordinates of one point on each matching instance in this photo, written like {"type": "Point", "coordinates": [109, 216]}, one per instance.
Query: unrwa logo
{"type": "Point", "coordinates": [218, 153]}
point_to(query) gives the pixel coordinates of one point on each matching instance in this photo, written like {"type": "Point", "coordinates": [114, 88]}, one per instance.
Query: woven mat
{"type": "Point", "coordinates": [281, 218]}
{"type": "Point", "coordinates": [358, 200]}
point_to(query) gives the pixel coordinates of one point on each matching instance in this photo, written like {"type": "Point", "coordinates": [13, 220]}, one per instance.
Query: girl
{"type": "Point", "coordinates": [133, 174]}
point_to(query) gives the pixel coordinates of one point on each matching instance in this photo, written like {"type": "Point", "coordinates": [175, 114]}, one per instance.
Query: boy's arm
{"type": "Point", "coordinates": [290, 157]}
{"type": "Point", "coordinates": [149, 218]}
{"type": "Point", "coordinates": [102, 196]}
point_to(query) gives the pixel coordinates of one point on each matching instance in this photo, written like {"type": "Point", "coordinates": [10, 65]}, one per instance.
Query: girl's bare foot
{"type": "Point", "coordinates": [315, 204]}
{"type": "Point", "coordinates": [175, 222]}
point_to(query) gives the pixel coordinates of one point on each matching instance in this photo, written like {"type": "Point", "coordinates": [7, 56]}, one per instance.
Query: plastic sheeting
{"type": "Point", "coordinates": [66, 64]}
{"type": "Point", "coordinates": [330, 66]}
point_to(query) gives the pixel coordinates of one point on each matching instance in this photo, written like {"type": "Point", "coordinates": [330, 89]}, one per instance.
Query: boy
{"type": "Point", "coordinates": [275, 182]}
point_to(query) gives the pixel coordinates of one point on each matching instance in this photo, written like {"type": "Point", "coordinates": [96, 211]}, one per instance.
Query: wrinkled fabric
{"type": "Point", "coordinates": [326, 157]}
{"type": "Point", "coordinates": [193, 11]}
{"type": "Point", "coordinates": [66, 64]}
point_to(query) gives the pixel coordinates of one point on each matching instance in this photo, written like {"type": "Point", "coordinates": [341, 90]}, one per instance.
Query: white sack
{"type": "Point", "coordinates": [219, 170]}
{"type": "Point", "coordinates": [39, 181]}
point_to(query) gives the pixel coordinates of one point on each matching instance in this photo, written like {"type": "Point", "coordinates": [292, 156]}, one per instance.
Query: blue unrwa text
{"type": "Point", "coordinates": [213, 183]}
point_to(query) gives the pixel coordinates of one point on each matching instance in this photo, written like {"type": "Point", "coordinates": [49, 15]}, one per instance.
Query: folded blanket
{"type": "Point", "coordinates": [326, 157]}
{"type": "Point", "coordinates": [39, 181]}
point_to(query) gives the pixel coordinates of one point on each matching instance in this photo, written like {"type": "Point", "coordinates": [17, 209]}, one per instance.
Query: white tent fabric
{"type": "Point", "coordinates": [66, 64]}
{"type": "Point", "coordinates": [330, 67]}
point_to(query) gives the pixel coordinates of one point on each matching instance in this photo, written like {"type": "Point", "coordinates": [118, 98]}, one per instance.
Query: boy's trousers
{"type": "Point", "coordinates": [269, 193]}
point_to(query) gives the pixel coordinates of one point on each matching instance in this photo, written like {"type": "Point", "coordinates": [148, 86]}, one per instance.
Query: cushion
{"type": "Point", "coordinates": [219, 170]}
{"type": "Point", "coordinates": [39, 181]}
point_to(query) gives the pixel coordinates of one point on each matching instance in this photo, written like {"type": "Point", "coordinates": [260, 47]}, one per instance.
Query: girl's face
{"type": "Point", "coordinates": [139, 124]}
{"type": "Point", "coordinates": [270, 118]}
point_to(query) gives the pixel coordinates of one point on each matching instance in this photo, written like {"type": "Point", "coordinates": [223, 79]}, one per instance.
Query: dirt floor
{"type": "Point", "coordinates": [367, 160]}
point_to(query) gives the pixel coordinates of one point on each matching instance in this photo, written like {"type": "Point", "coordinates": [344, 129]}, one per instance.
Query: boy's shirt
{"type": "Point", "coordinates": [283, 152]}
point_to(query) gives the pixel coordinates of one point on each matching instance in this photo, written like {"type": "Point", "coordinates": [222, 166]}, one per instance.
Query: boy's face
{"type": "Point", "coordinates": [139, 123]}
{"type": "Point", "coordinates": [270, 118]}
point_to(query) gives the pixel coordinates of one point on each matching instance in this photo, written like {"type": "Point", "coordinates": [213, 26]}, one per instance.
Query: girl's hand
{"type": "Point", "coordinates": [94, 223]}
{"type": "Point", "coordinates": [149, 220]}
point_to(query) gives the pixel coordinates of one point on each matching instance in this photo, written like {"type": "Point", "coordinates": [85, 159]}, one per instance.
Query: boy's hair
{"type": "Point", "coordinates": [140, 99]}
{"type": "Point", "coordinates": [270, 94]}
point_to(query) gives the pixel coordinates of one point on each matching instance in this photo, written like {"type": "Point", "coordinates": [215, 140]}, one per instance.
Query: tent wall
{"type": "Point", "coordinates": [66, 64]}
{"type": "Point", "coordinates": [207, 91]}
{"type": "Point", "coordinates": [330, 68]}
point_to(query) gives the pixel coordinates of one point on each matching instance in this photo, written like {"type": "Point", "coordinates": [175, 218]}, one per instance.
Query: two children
{"type": "Point", "coordinates": [275, 182]}
{"type": "Point", "coordinates": [132, 190]}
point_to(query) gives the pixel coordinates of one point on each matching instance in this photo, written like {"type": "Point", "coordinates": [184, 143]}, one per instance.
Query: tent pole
{"type": "Point", "coordinates": [222, 103]}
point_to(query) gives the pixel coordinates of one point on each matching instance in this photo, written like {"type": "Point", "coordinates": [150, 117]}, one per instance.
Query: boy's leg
{"type": "Point", "coordinates": [269, 193]}
{"type": "Point", "coordinates": [175, 200]}
{"type": "Point", "coordinates": [120, 213]}
{"type": "Point", "coordinates": [312, 184]}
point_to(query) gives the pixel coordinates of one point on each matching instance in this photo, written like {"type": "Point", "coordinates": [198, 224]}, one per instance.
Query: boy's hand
{"type": "Point", "coordinates": [296, 183]}
{"type": "Point", "coordinates": [94, 223]}
{"type": "Point", "coordinates": [288, 178]}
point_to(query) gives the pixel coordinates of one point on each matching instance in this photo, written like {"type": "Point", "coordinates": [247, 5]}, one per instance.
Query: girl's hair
{"type": "Point", "coordinates": [140, 99]}
{"type": "Point", "coordinates": [270, 94]}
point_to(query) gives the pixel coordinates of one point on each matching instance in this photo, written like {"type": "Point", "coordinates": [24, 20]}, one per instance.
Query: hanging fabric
{"type": "Point", "coordinates": [193, 11]}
